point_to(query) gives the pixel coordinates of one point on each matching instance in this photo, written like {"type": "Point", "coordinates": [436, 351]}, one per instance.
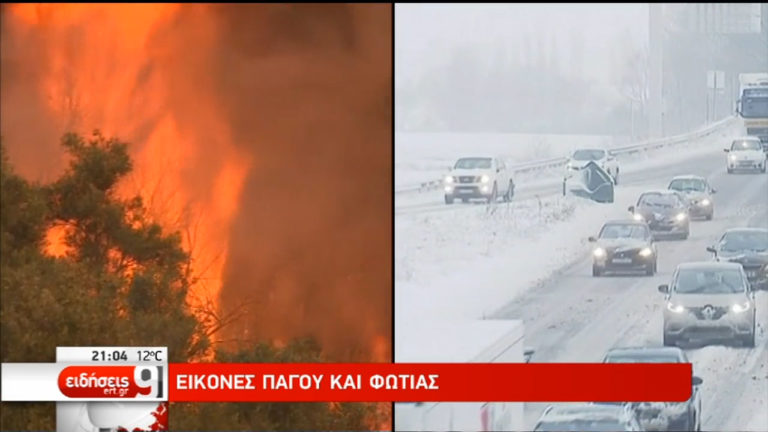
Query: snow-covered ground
{"type": "Point", "coordinates": [425, 157]}
{"type": "Point", "coordinates": [421, 157]}
{"type": "Point", "coordinates": [440, 257]}
{"type": "Point", "coordinates": [529, 260]}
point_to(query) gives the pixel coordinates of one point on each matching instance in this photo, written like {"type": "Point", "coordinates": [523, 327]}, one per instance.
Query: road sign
{"type": "Point", "coordinates": [716, 79]}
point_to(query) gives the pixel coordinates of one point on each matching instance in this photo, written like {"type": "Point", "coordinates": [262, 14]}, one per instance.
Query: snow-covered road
{"type": "Point", "coordinates": [635, 169]}
{"type": "Point", "coordinates": [575, 317]}
{"type": "Point", "coordinates": [529, 260]}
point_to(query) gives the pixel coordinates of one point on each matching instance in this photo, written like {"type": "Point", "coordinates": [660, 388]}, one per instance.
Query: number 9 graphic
{"type": "Point", "coordinates": [149, 377]}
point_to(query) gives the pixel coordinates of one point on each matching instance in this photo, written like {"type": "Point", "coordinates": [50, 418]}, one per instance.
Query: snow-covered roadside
{"type": "Point", "coordinates": [468, 264]}
{"type": "Point", "coordinates": [641, 161]}
{"type": "Point", "coordinates": [421, 157]}
{"type": "Point", "coordinates": [414, 167]}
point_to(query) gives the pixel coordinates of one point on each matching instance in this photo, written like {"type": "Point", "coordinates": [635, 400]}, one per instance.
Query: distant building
{"type": "Point", "coordinates": [702, 37]}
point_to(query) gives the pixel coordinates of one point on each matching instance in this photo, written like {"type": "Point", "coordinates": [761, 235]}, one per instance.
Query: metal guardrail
{"type": "Point", "coordinates": [561, 161]}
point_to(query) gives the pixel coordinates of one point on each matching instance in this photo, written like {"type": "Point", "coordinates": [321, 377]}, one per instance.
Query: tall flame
{"type": "Point", "coordinates": [261, 132]}
{"type": "Point", "coordinates": [106, 66]}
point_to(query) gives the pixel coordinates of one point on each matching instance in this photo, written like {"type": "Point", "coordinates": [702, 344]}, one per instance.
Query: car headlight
{"type": "Point", "coordinates": [675, 308]}
{"type": "Point", "coordinates": [680, 217]}
{"type": "Point", "coordinates": [599, 252]}
{"type": "Point", "coordinates": [705, 202]}
{"type": "Point", "coordinates": [732, 157]}
{"type": "Point", "coordinates": [646, 252]}
{"type": "Point", "coordinates": [485, 179]}
{"type": "Point", "coordinates": [637, 217]}
{"type": "Point", "coordinates": [449, 179]}
{"type": "Point", "coordinates": [739, 308]}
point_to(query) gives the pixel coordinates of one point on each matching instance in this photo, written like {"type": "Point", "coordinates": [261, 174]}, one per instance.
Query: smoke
{"type": "Point", "coordinates": [311, 244]}
{"type": "Point", "coordinates": [262, 131]}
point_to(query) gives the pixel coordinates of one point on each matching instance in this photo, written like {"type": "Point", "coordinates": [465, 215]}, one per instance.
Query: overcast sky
{"type": "Point", "coordinates": [426, 33]}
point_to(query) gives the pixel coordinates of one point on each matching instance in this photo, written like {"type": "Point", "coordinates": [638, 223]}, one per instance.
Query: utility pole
{"type": "Point", "coordinates": [714, 99]}
{"type": "Point", "coordinates": [655, 65]}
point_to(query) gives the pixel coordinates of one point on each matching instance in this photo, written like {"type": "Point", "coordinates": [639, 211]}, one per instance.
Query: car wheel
{"type": "Point", "coordinates": [465, 200]}
{"type": "Point", "coordinates": [650, 269]}
{"type": "Point", "coordinates": [710, 215]}
{"type": "Point", "coordinates": [685, 235]}
{"type": "Point", "coordinates": [564, 188]}
{"type": "Point", "coordinates": [669, 340]}
{"type": "Point", "coordinates": [730, 171]}
{"type": "Point", "coordinates": [762, 169]}
{"type": "Point", "coordinates": [448, 199]}
{"type": "Point", "coordinates": [616, 177]}
{"type": "Point", "coordinates": [596, 271]}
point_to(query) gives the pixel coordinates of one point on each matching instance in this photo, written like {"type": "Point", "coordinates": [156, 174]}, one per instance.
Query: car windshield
{"type": "Point", "coordinates": [746, 145]}
{"type": "Point", "coordinates": [740, 241]}
{"type": "Point", "coordinates": [473, 163]}
{"type": "Point", "coordinates": [581, 425]}
{"type": "Point", "coordinates": [658, 200]}
{"type": "Point", "coordinates": [587, 155]}
{"type": "Point", "coordinates": [709, 281]}
{"type": "Point", "coordinates": [688, 185]}
{"type": "Point", "coordinates": [755, 107]}
{"type": "Point", "coordinates": [618, 231]}
{"type": "Point", "coordinates": [626, 358]}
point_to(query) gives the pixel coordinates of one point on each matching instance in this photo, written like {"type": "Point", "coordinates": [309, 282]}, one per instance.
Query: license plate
{"type": "Point", "coordinates": [622, 260]}
{"type": "Point", "coordinates": [465, 191]}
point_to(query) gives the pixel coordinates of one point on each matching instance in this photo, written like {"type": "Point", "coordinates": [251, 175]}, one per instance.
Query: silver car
{"type": "Point", "coordinates": [709, 301]}
{"type": "Point", "coordinates": [697, 192]}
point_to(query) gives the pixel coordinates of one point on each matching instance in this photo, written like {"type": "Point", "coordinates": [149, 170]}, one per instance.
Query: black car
{"type": "Point", "coordinates": [665, 212]}
{"type": "Point", "coordinates": [624, 245]}
{"type": "Point", "coordinates": [673, 416]}
{"type": "Point", "coordinates": [748, 247]}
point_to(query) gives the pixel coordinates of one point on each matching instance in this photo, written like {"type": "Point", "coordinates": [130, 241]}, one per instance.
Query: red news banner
{"type": "Point", "coordinates": [454, 382]}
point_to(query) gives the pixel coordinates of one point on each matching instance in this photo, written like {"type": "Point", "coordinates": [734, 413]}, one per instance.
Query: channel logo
{"type": "Point", "coordinates": [128, 382]}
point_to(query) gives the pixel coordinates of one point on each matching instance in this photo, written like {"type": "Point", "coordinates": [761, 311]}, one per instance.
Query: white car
{"type": "Point", "coordinates": [581, 157]}
{"type": "Point", "coordinates": [479, 177]}
{"type": "Point", "coordinates": [746, 154]}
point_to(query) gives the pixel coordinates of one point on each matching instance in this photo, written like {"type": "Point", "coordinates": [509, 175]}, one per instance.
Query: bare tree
{"type": "Point", "coordinates": [634, 86]}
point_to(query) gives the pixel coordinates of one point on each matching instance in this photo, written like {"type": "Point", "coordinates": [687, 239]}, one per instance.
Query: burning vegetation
{"type": "Point", "coordinates": [259, 134]}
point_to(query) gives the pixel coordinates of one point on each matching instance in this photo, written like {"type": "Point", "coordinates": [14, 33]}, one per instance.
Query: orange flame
{"type": "Point", "coordinates": [113, 67]}
{"type": "Point", "coordinates": [55, 242]}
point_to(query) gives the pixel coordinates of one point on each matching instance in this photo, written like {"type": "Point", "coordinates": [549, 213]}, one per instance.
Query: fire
{"type": "Point", "coordinates": [113, 67]}
{"type": "Point", "coordinates": [381, 351]}
{"type": "Point", "coordinates": [261, 132]}
{"type": "Point", "coordinates": [55, 244]}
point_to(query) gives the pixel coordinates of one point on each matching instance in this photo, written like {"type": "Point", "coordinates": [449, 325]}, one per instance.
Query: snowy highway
{"type": "Point", "coordinates": [575, 317]}
{"type": "Point", "coordinates": [636, 169]}
{"type": "Point", "coordinates": [520, 261]}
